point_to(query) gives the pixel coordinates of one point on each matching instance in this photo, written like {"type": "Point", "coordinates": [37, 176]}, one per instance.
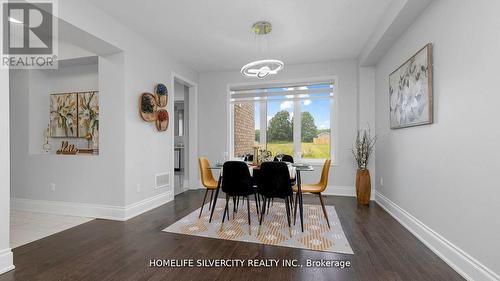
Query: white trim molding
{"type": "Point", "coordinates": [137, 208]}
{"type": "Point", "coordinates": [109, 212]}
{"type": "Point", "coordinates": [6, 260]}
{"type": "Point", "coordinates": [459, 260]}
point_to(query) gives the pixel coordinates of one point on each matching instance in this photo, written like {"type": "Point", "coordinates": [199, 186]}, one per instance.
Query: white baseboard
{"type": "Point", "coordinates": [6, 260]}
{"type": "Point", "coordinates": [109, 212]}
{"type": "Point", "coordinates": [341, 190]}
{"type": "Point", "coordinates": [147, 204]}
{"type": "Point", "coordinates": [460, 261]}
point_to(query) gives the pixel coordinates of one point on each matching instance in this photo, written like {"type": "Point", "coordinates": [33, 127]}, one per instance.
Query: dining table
{"type": "Point", "coordinates": [298, 167]}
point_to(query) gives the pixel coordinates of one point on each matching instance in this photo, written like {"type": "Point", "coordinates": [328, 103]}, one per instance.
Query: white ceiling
{"type": "Point", "coordinates": [215, 35]}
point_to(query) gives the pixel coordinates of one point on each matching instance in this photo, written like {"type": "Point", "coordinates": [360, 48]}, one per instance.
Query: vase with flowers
{"type": "Point", "coordinates": [362, 150]}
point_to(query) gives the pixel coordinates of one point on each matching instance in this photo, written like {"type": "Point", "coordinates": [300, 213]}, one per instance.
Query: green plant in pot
{"type": "Point", "coordinates": [362, 150]}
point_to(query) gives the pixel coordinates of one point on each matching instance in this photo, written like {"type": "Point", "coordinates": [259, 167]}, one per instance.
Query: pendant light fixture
{"type": "Point", "coordinates": [262, 68]}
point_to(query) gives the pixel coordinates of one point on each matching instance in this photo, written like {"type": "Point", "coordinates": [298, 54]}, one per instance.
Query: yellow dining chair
{"type": "Point", "coordinates": [208, 181]}
{"type": "Point", "coordinates": [315, 188]}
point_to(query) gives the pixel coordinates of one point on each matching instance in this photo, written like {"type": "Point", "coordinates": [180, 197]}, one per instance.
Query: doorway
{"type": "Point", "coordinates": [184, 134]}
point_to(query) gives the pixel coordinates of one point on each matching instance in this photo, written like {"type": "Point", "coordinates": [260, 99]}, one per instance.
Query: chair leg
{"type": "Point", "coordinates": [211, 195]}
{"type": "Point", "coordinates": [248, 212]}
{"type": "Point", "coordinates": [262, 213]}
{"type": "Point", "coordinates": [295, 209]}
{"type": "Point", "coordinates": [257, 202]}
{"type": "Point", "coordinates": [324, 209]}
{"type": "Point", "coordinates": [226, 209]}
{"type": "Point", "coordinates": [288, 211]}
{"type": "Point", "coordinates": [268, 205]}
{"type": "Point", "coordinates": [202, 204]}
{"type": "Point", "coordinates": [234, 205]}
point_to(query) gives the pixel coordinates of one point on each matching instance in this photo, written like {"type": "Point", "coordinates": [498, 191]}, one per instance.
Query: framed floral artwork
{"type": "Point", "coordinates": [410, 91]}
{"type": "Point", "coordinates": [88, 114]}
{"type": "Point", "coordinates": [63, 115]}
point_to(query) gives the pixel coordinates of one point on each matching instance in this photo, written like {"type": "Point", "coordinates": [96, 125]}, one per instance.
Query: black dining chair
{"type": "Point", "coordinates": [248, 158]}
{"type": "Point", "coordinates": [237, 181]}
{"type": "Point", "coordinates": [274, 182]}
{"type": "Point", "coordinates": [286, 158]}
{"type": "Point", "coordinates": [289, 159]}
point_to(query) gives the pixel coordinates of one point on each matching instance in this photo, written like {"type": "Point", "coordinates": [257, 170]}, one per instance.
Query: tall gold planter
{"type": "Point", "coordinates": [363, 187]}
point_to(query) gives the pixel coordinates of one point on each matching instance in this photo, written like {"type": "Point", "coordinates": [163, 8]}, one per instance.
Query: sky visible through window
{"type": "Point", "coordinates": [319, 108]}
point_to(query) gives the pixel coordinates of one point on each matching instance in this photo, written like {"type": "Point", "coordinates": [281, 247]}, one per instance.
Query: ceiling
{"type": "Point", "coordinates": [216, 35]}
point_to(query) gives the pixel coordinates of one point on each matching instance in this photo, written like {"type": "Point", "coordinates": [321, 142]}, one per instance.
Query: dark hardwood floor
{"type": "Point", "coordinates": [109, 250]}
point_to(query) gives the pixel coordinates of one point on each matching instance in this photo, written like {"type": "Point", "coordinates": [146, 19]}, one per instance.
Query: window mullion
{"type": "Point", "coordinates": [297, 130]}
{"type": "Point", "coordinates": [263, 122]}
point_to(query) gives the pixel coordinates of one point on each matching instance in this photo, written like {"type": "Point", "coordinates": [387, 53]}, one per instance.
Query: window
{"type": "Point", "coordinates": [291, 119]}
{"type": "Point", "coordinates": [280, 126]}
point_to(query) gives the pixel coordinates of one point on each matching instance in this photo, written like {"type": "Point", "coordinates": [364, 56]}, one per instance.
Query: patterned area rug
{"type": "Point", "coordinates": [274, 230]}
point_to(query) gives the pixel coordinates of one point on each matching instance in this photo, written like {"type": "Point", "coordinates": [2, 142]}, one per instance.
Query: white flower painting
{"type": "Point", "coordinates": [410, 91]}
{"type": "Point", "coordinates": [63, 115]}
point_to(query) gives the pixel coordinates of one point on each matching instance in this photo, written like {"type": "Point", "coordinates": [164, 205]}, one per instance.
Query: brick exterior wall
{"type": "Point", "coordinates": [244, 128]}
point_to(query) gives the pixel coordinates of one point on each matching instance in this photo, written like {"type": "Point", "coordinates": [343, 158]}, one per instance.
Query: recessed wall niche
{"type": "Point", "coordinates": [73, 88]}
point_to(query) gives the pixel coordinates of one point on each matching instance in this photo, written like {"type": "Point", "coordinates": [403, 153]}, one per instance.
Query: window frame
{"type": "Point", "coordinates": [334, 105]}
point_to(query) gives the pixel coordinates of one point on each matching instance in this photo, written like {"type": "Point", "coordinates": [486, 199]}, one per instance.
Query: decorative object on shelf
{"type": "Point", "coordinates": [262, 68]}
{"type": "Point", "coordinates": [147, 107]}
{"type": "Point", "coordinates": [95, 142]}
{"type": "Point", "coordinates": [88, 151]}
{"type": "Point", "coordinates": [47, 147]}
{"type": "Point", "coordinates": [88, 113]}
{"type": "Point", "coordinates": [255, 155]}
{"type": "Point", "coordinates": [66, 148]}
{"type": "Point", "coordinates": [410, 91]}
{"type": "Point", "coordinates": [362, 150]}
{"type": "Point", "coordinates": [161, 94]}
{"type": "Point", "coordinates": [88, 137]}
{"type": "Point", "coordinates": [265, 155]}
{"type": "Point", "coordinates": [63, 115]}
{"type": "Point", "coordinates": [162, 120]}
{"type": "Point", "coordinates": [261, 155]}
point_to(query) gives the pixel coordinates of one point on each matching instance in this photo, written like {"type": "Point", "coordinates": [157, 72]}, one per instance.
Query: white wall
{"type": "Point", "coordinates": [147, 151]}
{"type": "Point", "coordinates": [6, 261]}
{"type": "Point", "coordinates": [213, 112]}
{"type": "Point", "coordinates": [121, 182]}
{"type": "Point", "coordinates": [366, 112]}
{"type": "Point", "coordinates": [446, 174]}
{"type": "Point", "coordinates": [82, 179]}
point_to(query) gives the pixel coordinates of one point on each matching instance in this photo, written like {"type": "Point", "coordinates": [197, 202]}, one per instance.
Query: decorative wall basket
{"type": "Point", "coordinates": [161, 95]}
{"type": "Point", "coordinates": [150, 107]}
{"type": "Point", "coordinates": [162, 120]}
{"type": "Point", "coordinates": [147, 107]}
